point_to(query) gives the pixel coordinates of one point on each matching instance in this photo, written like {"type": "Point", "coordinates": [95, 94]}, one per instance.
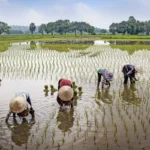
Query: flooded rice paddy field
{"type": "Point", "coordinates": [109, 119]}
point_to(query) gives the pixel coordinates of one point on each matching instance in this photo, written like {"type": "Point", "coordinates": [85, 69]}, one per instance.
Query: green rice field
{"type": "Point", "coordinates": [115, 118]}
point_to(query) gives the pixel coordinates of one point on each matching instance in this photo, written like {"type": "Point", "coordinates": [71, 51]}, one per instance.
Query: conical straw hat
{"type": "Point", "coordinates": [65, 93]}
{"type": "Point", "coordinates": [18, 104]}
{"type": "Point", "coordinates": [139, 69]}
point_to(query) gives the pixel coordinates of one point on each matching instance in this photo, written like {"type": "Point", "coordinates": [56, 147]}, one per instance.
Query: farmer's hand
{"type": "Point", "coordinates": [135, 79]}
{"type": "Point", "coordinates": [31, 111]}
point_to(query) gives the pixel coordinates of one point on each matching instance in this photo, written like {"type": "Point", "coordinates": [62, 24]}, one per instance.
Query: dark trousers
{"type": "Point", "coordinates": [131, 76]}
{"type": "Point", "coordinates": [126, 79]}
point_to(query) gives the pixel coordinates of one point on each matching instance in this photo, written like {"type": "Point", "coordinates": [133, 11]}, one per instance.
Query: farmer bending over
{"type": "Point", "coordinates": [65, 93]}
{"type": "Point", "coordinates": [107, 77]}
{"type": "Point", "coordinates": [129, 71]}
{"type": "Point", "coordinates": [19, 105]}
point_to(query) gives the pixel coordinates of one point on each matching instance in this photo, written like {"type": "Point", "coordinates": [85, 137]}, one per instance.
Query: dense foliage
{"type": "Point", "coordinates": [65, 26]}
{"type": "Point", "coordinates": [4, 28]}
{"type": "Point", "coordinates": [132, 26]}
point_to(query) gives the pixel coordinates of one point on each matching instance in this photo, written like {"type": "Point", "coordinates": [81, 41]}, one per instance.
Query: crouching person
{"type": "Point", "coordinates": [107, 77]}
{"type": "Point", "coordinates": [65, 93]}
{"type": "Point", "coordinates": [19, 105]}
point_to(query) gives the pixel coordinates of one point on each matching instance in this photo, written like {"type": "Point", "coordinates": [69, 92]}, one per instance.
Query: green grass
{"type": "Point", "coordinates": [131, 48]}
{"type": "Point", "coordinates": [126, 37]}
{"type": "Point", "coordinates": [4, 46]}
{"type": "Point", "coordinates": [29, 37]}
{"type": "Point", "coordinates": [64, 47]}
{"type": "Point", "coordinates": [6, 39]}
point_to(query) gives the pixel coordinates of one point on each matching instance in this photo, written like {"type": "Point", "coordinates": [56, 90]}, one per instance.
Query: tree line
{"type": "Point", "coordinates": [132, 26]}
{"type": "Point", "coordinates": [4, 28]}
{"type": "Point", "coordinates": [59, 26]}
{"type": "Point", "coordinates": [65, 26]}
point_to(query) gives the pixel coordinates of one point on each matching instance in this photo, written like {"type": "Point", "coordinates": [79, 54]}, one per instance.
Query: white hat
{"type": "Point", "coordinates": [65, 93]}
{"type": "Point", "coordinates": [18, 104]}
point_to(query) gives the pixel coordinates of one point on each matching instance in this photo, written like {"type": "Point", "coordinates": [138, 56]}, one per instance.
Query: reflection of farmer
{"type": "Point", "coordinates": [129, 71]}
{"type": "Point", "coordinates": [129, 94]}
{"type": "Point", "coordinates": [65, 92]}
{"type": "Point", "coordinates": [107, 77]}
{"type": "Point", "coordinates": [19, 105]}
{"type": "Point", "coordinates": [66, 119]}
{"type": "Point", "coordinates": [20, 132]}
{"type": "Point", "coordinates": [105, 96]}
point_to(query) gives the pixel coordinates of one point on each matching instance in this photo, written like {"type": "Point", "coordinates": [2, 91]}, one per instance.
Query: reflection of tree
{"type": "Point", "coordinates": [32, 45]}
{"type": "Point", "coordinates": [66, 119]}
{"type": "Point", "coordinates": [104, 96]}
{"type": "Point", "coordinates": [129, 95]}
{"type": "Point", "coordinates": [20, 132]}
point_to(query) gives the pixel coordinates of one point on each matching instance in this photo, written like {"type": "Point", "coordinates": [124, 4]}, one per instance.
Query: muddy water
{"type": "Point", "coordinates": [114, 118]}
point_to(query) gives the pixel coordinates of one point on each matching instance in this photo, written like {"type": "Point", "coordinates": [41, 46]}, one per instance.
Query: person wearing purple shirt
{"type": "Point", "coordinates": [129, 71]}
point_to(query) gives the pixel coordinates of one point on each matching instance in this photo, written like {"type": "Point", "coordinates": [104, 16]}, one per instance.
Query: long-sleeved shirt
{"type": "Point", "coordinates": [26, 94]}
{"type": "Point", "coordinates": [106, 76]}
{"type": "Point", "coordinates": [64, 82]}
{"type": "Point", "coordinates": [128, 69]}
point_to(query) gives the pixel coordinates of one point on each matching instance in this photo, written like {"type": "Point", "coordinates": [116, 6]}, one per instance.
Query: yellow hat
{"type": "Point", "coordinates": [65, 93]}
{"type": "Point", "coordinates": [18, 104]}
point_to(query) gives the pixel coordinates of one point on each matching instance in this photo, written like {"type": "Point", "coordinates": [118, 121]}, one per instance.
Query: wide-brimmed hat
{"type": "Point", "coordinates": [139, 69]}
{"type": "Point", "coordinates": [65, 93]}
{"type": "Point", "coordinates": [18, 104]}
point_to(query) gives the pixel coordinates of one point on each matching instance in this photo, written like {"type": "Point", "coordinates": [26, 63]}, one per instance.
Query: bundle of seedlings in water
{"type": "Point", "coordinates": [53, 90]}
{"type": "Point", "coordinates": [74, 85]}
{"type": "Point", "coordinates": [80, 90]}
{"type": "Point", "coordinates": [46, 94]}
{"type": "Point", "coordinates": [75, 95]}
{"type": "Point", "coordinates": [46, 88]}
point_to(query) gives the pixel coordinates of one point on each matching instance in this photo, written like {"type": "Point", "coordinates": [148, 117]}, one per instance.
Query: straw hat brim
{"type": "Point", "coordinates": [139, 69]}
{"type": "Point", "coordinates": [18, 104]}
{"type": "Point", "coordinates": [65, 93]}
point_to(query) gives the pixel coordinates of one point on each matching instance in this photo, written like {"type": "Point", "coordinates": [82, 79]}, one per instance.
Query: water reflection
{"type": "Point", "coordinates": [65, 119]}
{"type": "Point", "coordinates": [32, 44]}
{"type": "Point", "coordinates": [46, 93]}
{"type": "Point", "coordinates": [101, 42]}
{"type": "Point", "coordinates": [20, 132]}
{"type": "Point", "coordinates": [105, 96]}
{"type": "Point", "coordinates": [33, 69]}
{"type": "Point", "coordinates": [129, 94]}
